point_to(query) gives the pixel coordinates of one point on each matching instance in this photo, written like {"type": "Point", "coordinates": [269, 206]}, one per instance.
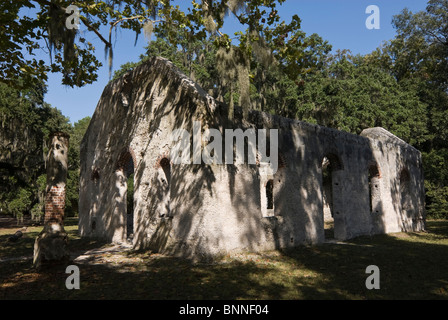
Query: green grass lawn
{"type": "Point", "coordinates": [412, 266]}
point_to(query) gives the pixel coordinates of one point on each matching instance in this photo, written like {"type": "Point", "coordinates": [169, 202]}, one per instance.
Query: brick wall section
{"type": "Point", "coordinates": [57, 164]}
{"type": "Point", "coordinates": [55, 204]}
{"type": "Point", "coordinates": [126, 161]}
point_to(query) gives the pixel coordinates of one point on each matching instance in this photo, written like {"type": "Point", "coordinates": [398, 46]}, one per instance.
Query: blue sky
{"type": "Point", "coordinates": [340, 22]}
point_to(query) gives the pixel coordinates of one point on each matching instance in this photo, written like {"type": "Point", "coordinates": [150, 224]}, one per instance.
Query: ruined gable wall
{"type": "Point", "coordinates": [401, 183]}
{"type": "Point", "coordinates": [201, 210]}
{"type": "Point", "coordinates": [137, 111]}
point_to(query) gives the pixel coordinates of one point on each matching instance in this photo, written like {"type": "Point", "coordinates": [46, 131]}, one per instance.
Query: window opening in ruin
{"type": "Point", "coordinates": [126, 164]}
{"type": "Point", "coordinates": [165, 165]}
{"type": "Point", "coordinates": [374, 188]}
{"type": "Point", "coordinates": [165, 181]}
{"type": "Point", "coordinates": [130, 207]}
{"type": "Point", "coordinates": [327, 196]}
{"type": "Point", "coordinates": [330, 165]}
{"type": "Point", "coordinates": [405, 181]}
{"type": "Point", "coordinates": [270, 194]}
{"type": "Point", "coordinates": [267, 196]}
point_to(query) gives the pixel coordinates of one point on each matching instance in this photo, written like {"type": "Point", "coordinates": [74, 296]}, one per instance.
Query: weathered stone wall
{"type": "Point", "coordinates": [202, 210]}
{"type": "Point", "coordinates": [401, 183]}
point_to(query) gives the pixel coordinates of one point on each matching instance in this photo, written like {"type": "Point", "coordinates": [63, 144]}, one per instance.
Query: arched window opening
{"type": "Point", "coordinates": [130, 207]}
{"type": "Point", "coordinates": [405, 186]}
{"type": "Point", "coordinates": [166, 167]}
{"type": "Point", "coordinates": [270, 194]}
{"type": "Point", "coordinates": [164, 187]}
{"type": "Point", "coordinates": [327, 196]}
{"type": "Point", "coordinates": [374, 188]}
{"type": "Point", "coordinates": [267, 196]}
{"type": "Point", "coordinates": [333, 162]}
{"type": "Point", "coordinates": [126, 165]}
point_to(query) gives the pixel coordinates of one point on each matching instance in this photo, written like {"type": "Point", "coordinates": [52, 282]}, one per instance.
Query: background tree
{"type": "Point", "coordinates": [26, 123]}
{"type": "Point", "coordinates": [74, 56]}
{"type": "Point", "coordinates": [418, 59]}
{"type": "Point", "coordinates": [353, 94]}
{"type": "Point", "coordinates": [268, 65]}
{"type": "Point", "coordinates": [401, 86]}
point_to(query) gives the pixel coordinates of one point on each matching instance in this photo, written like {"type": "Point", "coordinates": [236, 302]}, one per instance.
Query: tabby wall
{"type": "Point", "coordinates": [200, 210]}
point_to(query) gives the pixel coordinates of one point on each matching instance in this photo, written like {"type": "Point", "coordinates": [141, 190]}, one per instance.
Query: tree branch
{"type": "Point", "coordinates": [86, 23]}
{"type": "Point", "coordinates": [83, 19]}
{"type": "Point", "coordinates": [129, 18]}
{"type": "Point", "coordinates": [437, 38]}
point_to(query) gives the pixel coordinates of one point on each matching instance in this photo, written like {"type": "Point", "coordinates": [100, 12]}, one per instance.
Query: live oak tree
{"type": "Point", "coordinates": [418, 59]}
{"type": "Point", "coordinates": [262, 34]}
{"type": "Point", "coordinates": [353, 94]}
{"type": "Point", "coordinates": [269, 87]}
{"type": "Point", "coordinates": [25, 123]}
{"type": "Point", "coordinates": [268, 65]}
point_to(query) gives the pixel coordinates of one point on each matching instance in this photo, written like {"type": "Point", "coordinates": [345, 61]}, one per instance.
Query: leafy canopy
{"type": "Point", "coordinates": [70, 53]}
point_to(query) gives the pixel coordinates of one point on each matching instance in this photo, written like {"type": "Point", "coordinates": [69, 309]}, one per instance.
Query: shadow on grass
{"type": "Point", "coordinates": [412, 266]}
{"type": "Point", "coordinates": [24, 246]}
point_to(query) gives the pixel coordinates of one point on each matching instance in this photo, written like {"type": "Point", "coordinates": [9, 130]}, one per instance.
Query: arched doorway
{"type": "Point", "coordinates": [126, 166]}
{"type": "Point", "coordinates": [331, 164]}
{"type": "Point", "coordinates": [406, 197]}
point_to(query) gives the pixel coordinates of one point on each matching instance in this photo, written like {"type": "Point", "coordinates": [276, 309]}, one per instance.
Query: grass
{"type": "Point", "coordinates": [412, 266]}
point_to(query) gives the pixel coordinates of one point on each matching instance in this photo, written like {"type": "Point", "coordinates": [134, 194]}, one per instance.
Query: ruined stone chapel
{"type": "Point", "coordinates": [364, 184]}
